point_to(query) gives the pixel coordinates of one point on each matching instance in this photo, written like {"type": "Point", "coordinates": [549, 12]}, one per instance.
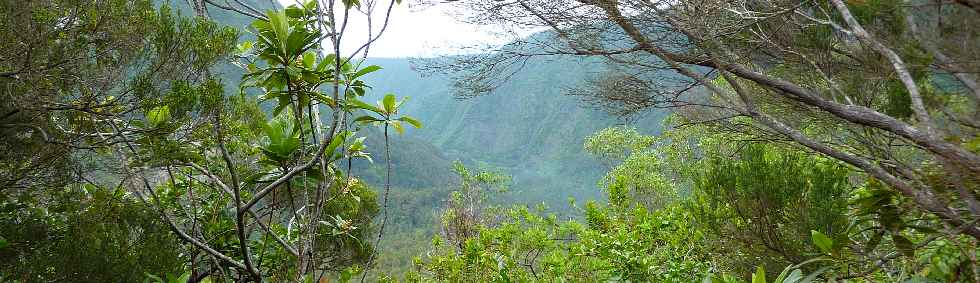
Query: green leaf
{"type": "Point", "coordinates": [280, 27]}
{"type": "Point", "coordinates": [398, 127]}
{"type": "Point", "coordinates": [152, 278]}
{"type": "Point", "coordinates": [256, 178]}
{"type": "Point", "coordinates": [366, 120]}
{"type": "Point", "coordinates": [412, 121]}
{"type": "Point", "coordinates": [183, 277]}
{"type": "Point", "coordinates": [351, 3]}
{"type": "Point", "coordinates": [795, 276]}
{"type": "Point", "coordinates": [365, 71]}
{"type": "Point", "coordinates": [297, 42]}
{"type": "Point", "coordinates": [311, 77]}
{"type": "Point", "coordinates": [337, 141]}
{"type": "Point", "coordinates": [357, 145]}
{"type": "Point", "coordinates": [309, 58]}
{"type": "Point", "coordinates": [295, 12]}
{"type": "Point", "coordinates": [813, 276]}
{"type": "Point", "coordinates": [760, 275]}
{"type": "Point", "coordinates": [503, 276]}
{"type": "Point", "coordinates": [281, 137]}
{"type": "Point", "coordinates": [157, 116]}
{"type": "Point", "coordinates": [904, 245]}
{"type": "Point", "coordinates": [822, 241]}
{"type": "Point", "coordinates": [324, 99]}
{"type": "Point", "coordinates": [261, 25]}
{"type": "Point", "coordinates": [388, 103]}
{"type": "Point", "coordinates": [245, 46]}
{"type": "Point", "coordinates": [294, 73]}
{"type": "Point", "coordinates": [3, 243]}
{"type": "Point", "coordinates": [327, 61]}
{"type": "Point", "coordinates": [282, 105]}
{"type": "Point", "coordinates": [345, 276]}
{"type": "Point", "coordinates": [362, 105]}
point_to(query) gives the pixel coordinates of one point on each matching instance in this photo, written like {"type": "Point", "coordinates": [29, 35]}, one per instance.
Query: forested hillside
{"type": "Point", "coordinates": [528, 128]}
{"type": "Point", "coordinates": [620, 141]}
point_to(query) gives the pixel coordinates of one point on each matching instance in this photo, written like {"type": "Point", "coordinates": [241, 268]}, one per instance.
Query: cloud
{"type": "Point", "coordinates": [416, 31]}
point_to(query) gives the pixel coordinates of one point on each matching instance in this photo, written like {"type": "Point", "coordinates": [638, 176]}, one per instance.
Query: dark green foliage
{"type": "Point", "coordinates": [85, 234]}
{"type": "Point", "coordinates": [769, 199]}
{"type": "Point", "coordinates": [349, 226]}
{"type": "Point", "coordinates": [89, 60]}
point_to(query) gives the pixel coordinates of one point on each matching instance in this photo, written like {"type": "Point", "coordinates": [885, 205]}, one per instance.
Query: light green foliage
{"type": "Point", "coordinates": [617, 143]}
{"type": "Point", "coordinates": [320, 210]}
{"type": "Point", "coordinates": [386, 110]}
{"type": "Point", "coordinates": [822, 241]}
{"type": "Point", "coordinates": [530, 245]}
{"type": "Point", "coordinates": [638, 175]}
{"type": "Point", "coordinates": [790, 274]}
{"type": "Point", "coordinates": [281, 138]}
{"type": "Point", "coordinates": [467, 209]}
{"type": "Point", "coordinates": [619, 241]}
{"type": "Point", "coordinates": [640, 180]}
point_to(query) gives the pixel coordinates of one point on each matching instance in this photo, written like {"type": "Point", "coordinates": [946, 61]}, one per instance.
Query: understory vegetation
{"type": "Point", "coordinates": [625, 141]}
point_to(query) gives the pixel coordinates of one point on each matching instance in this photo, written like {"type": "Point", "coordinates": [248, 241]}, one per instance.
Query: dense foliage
{"type": "Point", "coordinates": [729, 211]}
{"type": "Point", "coordinates": [774, 141]}
{"type": "Point", "coordinates": [163, 175]}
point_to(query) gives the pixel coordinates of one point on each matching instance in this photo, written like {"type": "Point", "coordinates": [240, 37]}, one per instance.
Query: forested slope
{"type": "Point", "coordinates": [528, 128]}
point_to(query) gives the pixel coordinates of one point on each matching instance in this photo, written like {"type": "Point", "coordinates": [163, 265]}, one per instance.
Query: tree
{"type": "Point", "coordinates": [764, 215]}
{"type": "Point", "coordinates": [252, 196]}
{"type": "Point", "coordinates": [76, 77]}
{"type": "Point", "coordinates": [285, 175]}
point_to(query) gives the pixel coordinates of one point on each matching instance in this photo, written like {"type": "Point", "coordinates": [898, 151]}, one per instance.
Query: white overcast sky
{"type": "Point", "coordinates": [416, 31]}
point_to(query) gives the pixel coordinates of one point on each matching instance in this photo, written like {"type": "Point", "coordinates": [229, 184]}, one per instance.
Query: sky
{"type": "Point", "coordinates": [417, 31]}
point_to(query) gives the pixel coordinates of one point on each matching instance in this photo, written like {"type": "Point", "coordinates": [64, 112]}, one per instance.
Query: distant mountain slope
{"type": "Point", "coordinates": [527, 128]}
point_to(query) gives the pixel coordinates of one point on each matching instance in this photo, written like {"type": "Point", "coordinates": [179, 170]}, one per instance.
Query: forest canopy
{"type": "Point", "coordinates": [726, 141]}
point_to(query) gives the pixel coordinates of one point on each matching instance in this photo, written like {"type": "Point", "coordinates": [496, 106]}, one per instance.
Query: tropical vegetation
{"type": "Point", "coordinates": [624, 141]}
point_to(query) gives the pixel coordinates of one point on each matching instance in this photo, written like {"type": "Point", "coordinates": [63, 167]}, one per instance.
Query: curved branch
{"type": "Point", "coordinates": [851, 113]}
{"type": "Point", "coordinates": [257, 16]}
{"type": "Point", "coordinates": [897, 63]}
